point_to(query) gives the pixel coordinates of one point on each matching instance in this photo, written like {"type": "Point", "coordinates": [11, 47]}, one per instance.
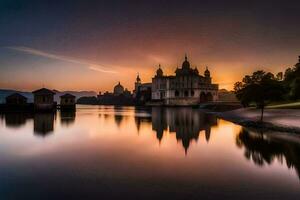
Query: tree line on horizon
{"type": "Point", "coordinates": [262, 88]}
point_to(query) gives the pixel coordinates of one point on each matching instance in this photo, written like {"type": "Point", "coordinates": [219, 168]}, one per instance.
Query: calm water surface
{"type": "Point", "coordinates": [124, 152]}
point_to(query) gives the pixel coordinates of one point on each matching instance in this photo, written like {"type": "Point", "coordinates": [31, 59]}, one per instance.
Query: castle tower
{"type": "Point", "coordinates": [138, 83]}
{"type": "Point", "coordinates": [186, 64]}
{"type": "Point", "coordinates": [207, 75]}
{"type": "Point", "coordinates": [159, 71]}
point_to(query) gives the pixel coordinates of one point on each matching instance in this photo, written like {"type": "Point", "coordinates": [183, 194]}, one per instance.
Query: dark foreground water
{"type": "Point", "coordinates": [129, 153]}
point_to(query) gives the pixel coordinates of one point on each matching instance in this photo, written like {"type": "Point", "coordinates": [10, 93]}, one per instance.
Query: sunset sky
{"type": "Point", "coordinates": [91, 45]}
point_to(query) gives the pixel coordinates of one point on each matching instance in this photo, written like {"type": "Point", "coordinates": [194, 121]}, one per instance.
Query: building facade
{"type": "Point", "coordinates": [44, 100]}
{"type": "Point", "coordinates": [67, 102]}
{"type": "Point", "coordinates": [187, 87]}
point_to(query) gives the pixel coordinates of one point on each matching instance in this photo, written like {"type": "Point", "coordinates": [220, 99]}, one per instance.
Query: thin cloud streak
{"type": "Point", "coordinates": [94, 68]}
{"type": "Point", "coordinates": [91, 66]}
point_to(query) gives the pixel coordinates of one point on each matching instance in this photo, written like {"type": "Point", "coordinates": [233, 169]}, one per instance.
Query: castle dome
{"type": "Point", "coordinates": [138, 79]}
{"type": "Point", "coordinates": [118, 89]}
{"type": "Point", "coordinates": [186, 63]}
{"type": "Point", "coordinates": [159, 71]}
{"type": "Point", "coordinates": [207, 72]}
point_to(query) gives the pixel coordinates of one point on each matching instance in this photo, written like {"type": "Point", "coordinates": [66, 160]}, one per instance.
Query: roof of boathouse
{"type": "Point", "coordinates": [16, 96]}
{"type": "Point", "coordinates": [43, 91]}
{"type": "Point", "coordinates": [67, 95]}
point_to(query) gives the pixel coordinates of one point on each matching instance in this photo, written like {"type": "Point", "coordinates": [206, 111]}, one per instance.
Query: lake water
{"type": "Point", "coordinates": [104, 152]}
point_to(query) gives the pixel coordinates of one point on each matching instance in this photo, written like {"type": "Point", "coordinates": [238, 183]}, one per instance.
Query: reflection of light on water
{"type": "Point", "coordinates": [182, 145]}
{"type": "Point", "coordinates": [227, 127]}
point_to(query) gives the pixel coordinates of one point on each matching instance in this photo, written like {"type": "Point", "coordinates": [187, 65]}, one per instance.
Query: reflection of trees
{"type": "Point", "coordinates": [262, 150]}
{"type": "Point", "coordinates": [67, 117]}
{"type": "Point", "coordinates": [185, 122]}
{"type": "Point", "coordinates": [43, 123]}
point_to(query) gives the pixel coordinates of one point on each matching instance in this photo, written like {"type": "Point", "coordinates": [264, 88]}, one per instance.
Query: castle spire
{"type": "Point", "coordinates": [159, 71]}
{"type": "Point", "coordinates": [138, 79]}
{"type": "Point", "coordinates": [185, 57]}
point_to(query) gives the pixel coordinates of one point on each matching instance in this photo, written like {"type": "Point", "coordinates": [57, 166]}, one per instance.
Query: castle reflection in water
{"type": "Point", "coordinates": [186, 123]}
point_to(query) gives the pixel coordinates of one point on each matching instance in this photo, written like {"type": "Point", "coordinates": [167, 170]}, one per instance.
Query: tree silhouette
{"type": "Point", "coordinates": [260, 88]}
{"type": "Point", "coordinates": [292, 81]}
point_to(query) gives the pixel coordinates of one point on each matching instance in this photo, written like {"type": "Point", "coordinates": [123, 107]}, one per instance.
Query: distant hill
{"type": "Point", "coordinates": [4, 93]}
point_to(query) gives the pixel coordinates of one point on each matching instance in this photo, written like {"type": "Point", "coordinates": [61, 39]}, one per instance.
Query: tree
{"type": "Point", "coordinates": [295, 89]}
{"type": "Point", "coordinates": [279, 76]}
{"type": "Point", "coordinates": [260, 88]}
{"type": "Point", "coordinates": [292, 81]}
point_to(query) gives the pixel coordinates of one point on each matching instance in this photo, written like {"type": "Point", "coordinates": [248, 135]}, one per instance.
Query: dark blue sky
{"type": "Point", "coordinates": [232, 37]}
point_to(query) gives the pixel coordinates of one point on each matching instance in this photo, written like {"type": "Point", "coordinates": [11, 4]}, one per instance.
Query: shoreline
{"type": "Point", "coordinates": [248, 118]}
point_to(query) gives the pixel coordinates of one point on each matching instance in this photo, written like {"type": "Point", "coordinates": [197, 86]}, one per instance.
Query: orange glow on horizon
{"type": "Point", "coordinates": [78, 74]}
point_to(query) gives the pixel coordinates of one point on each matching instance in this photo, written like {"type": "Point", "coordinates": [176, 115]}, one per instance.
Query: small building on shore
{"type": "Point", "coordinates": [44, 100]}
{"type": "Point", "coordinates": [16, 99]}
{"type": "Point", "coordinates": [67, 102]}
{"type": "Point", "coordinates": [16, 103]}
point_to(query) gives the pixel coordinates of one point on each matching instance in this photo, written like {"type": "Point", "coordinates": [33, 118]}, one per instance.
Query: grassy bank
{"type": "Point", "coordinates": [288, 105]}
